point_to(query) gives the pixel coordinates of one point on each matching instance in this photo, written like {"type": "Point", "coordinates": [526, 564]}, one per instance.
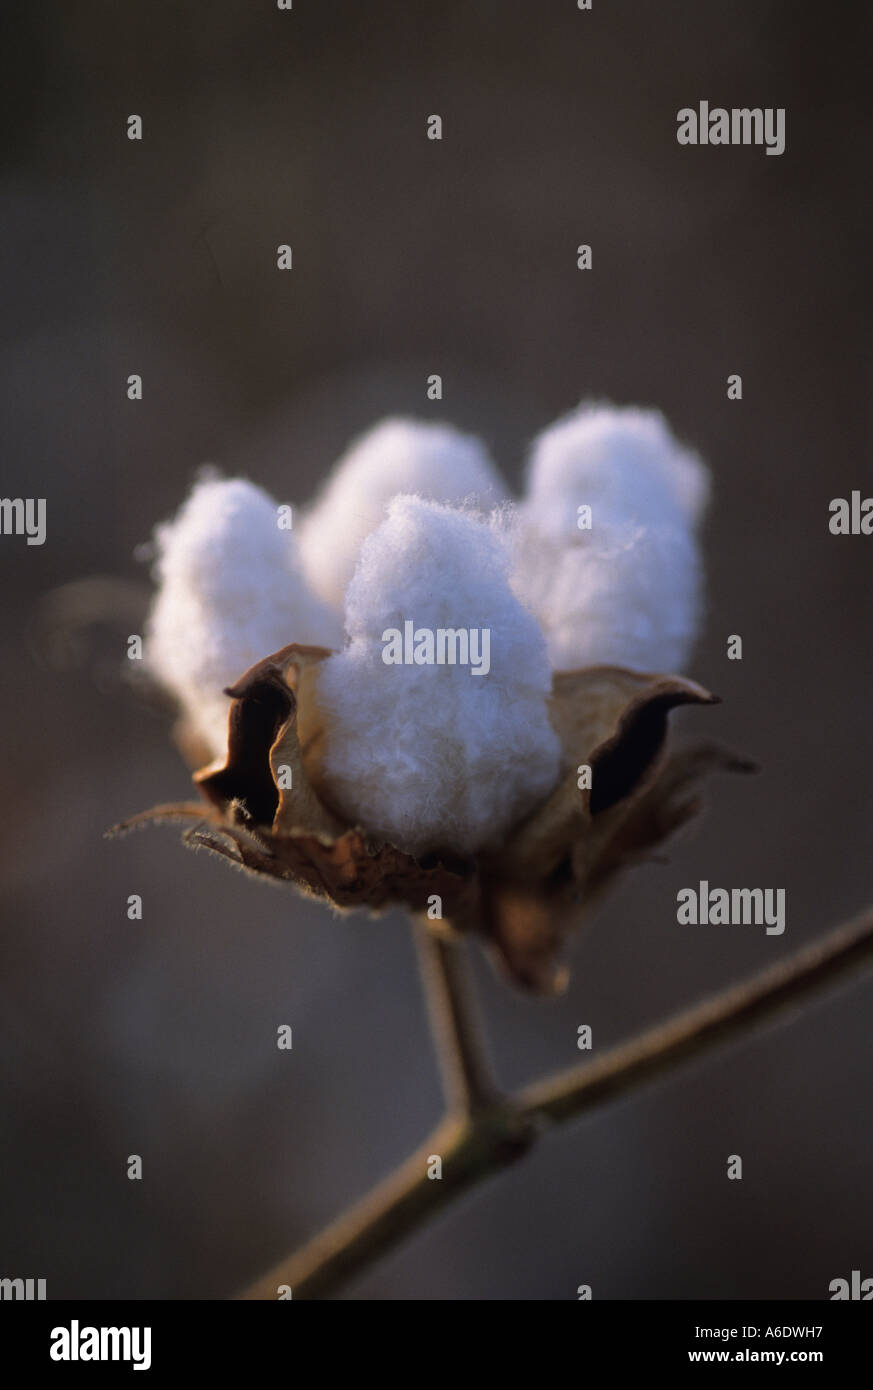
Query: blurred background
{"type": "Point", "coordinates": [411, 257]}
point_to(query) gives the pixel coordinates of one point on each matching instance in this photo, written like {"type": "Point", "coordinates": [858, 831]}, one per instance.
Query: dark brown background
{"type": "Point", "coordinates": [411, 257]}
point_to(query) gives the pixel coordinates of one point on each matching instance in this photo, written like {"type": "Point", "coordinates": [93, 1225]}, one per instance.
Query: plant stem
{"type": "Point", "coordinates": [487, 1135]}
{"type": "Point", "coordinates": [734, 1012]}
{"type": "Point", "coordinates": [468, 1149]}
{"type": "Point", "coordinates": [468, 1081]}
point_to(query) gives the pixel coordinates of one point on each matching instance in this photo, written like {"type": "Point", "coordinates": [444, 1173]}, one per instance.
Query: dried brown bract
{"type": "Point", "coordinates": [264, 807]}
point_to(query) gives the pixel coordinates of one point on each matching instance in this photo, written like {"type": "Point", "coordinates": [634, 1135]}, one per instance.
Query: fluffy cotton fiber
{"type": "Point", "coordinates": [433, 756]}
{"type": "Point", "coordinates": [396, 456]}
{"type": "Point", "coordinates": [231, 592]}
{"type": "Point", "coordinates": [624, 463]}
{"type": "Point", "coordinates": [628, 591]}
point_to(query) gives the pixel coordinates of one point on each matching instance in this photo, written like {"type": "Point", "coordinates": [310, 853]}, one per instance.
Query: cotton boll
{"type": "Point", "coordinates": [431, 460]}
{"type": "Point", "coordinates": [231, 592]}
{"type": "Point", "coordinates": [623, 594]}
{"type": "Point", "coordinates": [433, 756]}
{"type": "Point", "coordinates": [622, 463]}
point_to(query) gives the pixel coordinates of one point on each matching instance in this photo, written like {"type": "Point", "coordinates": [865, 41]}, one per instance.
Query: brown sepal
{"type": "Point", "coordinates": [522, 897]}
{"type": "Point", "coordinates": [550, 868]}
{"type": "Point", "coordinates": [287, 832]}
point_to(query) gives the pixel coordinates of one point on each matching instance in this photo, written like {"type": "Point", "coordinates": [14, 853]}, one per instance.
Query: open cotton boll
{"type": "Point", "coordinates": [231, 592]}
{"type": "Point", "coordinates": [433, 756]}
{"type": "Point", "coordinates": [396, 456]}
{"type": "Point", "coordinates": [622, 594]}
{"type": "Point", "coordinates": [623, 463]}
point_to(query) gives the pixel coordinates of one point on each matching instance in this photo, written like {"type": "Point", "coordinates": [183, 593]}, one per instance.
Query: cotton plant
{"type": "Point", "coordinates": [432, 696]}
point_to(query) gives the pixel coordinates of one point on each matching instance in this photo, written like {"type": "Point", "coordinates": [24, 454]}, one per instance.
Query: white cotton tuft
{"type": "Point", "coordinates": [623, 463]}
{"type": "Point", "coordinates": [432, 756]}
{"type": "Point", "coordinates": [231, 592]}
{"type": "Point", "coordinates": [396, 456]}
{"type": "Point", "coordinates": [624, 595]}
{"type": "Point", "coordinates": [627, 591]}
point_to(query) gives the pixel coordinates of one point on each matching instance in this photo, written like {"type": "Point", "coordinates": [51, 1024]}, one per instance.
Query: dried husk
{"type": "Point", "coordinates": [523, 896]}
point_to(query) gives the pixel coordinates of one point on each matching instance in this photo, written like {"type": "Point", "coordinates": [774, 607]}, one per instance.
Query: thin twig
{"type": "Point", "coordinates": [477, 1135]}
{"type": "Point", "coordinates": [468, 1150]}
{"type": "Point", "coordinates": [473, 1147]}
{"type": "Point", "coordinates": [468, 1080]}
{"type": "Point", "coordinates": [784, 986]}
